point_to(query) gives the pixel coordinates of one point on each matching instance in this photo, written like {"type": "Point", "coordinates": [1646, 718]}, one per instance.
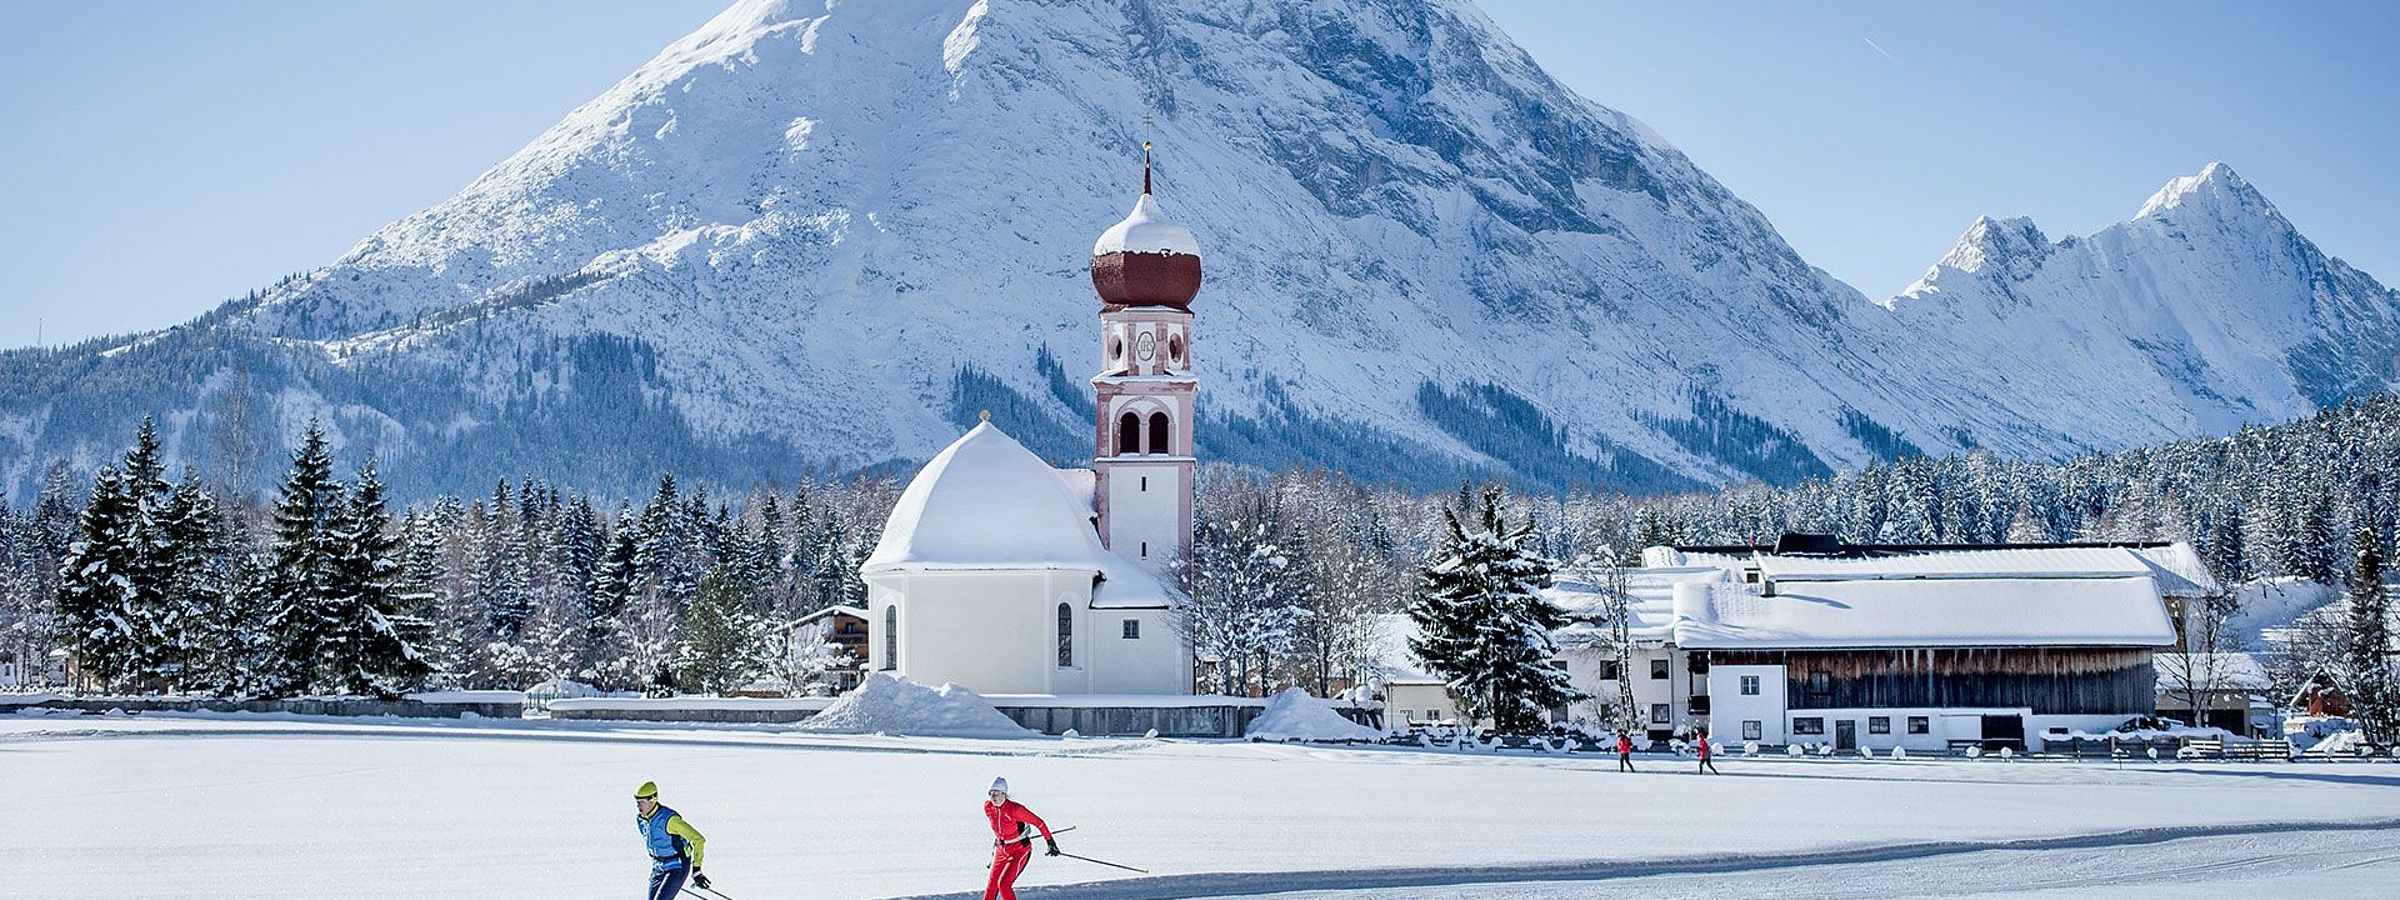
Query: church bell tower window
{"type": "Point", "coordinates": [1129, 434]}
{"type": "Point", "coordinates": [1158, 434]}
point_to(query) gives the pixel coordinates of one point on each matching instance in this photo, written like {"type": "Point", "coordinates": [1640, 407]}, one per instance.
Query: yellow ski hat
{"type": "Point", "coordinates": [648, 791]}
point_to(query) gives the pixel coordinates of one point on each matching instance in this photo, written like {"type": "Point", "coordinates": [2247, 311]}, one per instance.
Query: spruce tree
{"type": "Point", "coordinates": [364, 652]}
{"type": "Point", "coordinates": [301, 612]}
{"type": "Point", "coordinates": [722, 646]}
{"type": "Point", "coordinates": [2370, 664]}
{"type": "Point", "coordinates": [1483, 624]}
{"type": "Point", "coordinates": [98, 581]}
{"type": "Point", "coordinates": [199, 574]}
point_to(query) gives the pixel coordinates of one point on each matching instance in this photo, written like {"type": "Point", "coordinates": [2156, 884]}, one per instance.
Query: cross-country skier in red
{"type": "Point", "coordinates": [1012, 846]}
{"type": "Point", "coordinates": [1706, 766]}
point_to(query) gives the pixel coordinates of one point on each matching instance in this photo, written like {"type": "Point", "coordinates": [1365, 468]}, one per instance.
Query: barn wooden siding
{"type": "Point", "coordinates": [2054, 681]}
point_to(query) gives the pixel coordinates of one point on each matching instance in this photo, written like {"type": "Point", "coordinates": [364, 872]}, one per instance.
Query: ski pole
{"type": "Point", "coordinates": [719, 895]}
{"type": "Point", "coordinates": [1028, 839]}
{"type": "Point", "coordinates": [1106, 863]}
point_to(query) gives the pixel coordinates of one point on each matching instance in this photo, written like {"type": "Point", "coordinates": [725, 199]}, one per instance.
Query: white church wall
{"type": "Point", "coordinates": [993, 631]}
{"type": "Point", "coordinates": [1155, 661]}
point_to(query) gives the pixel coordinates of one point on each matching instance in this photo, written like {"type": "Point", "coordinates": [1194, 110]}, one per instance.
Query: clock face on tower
{"type": "Point", "coordinates": [1146, 346]}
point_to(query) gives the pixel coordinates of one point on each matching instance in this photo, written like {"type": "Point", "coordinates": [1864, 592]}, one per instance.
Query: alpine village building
{"type": "Point", "coordinates": [1869, 646]}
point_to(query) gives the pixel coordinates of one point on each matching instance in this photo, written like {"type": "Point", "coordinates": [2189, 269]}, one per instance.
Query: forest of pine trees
{"type": "Point", "coordinates": [177, 585]}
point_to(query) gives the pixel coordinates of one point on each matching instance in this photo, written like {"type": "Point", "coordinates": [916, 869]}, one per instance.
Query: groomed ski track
{"type": "Point", "coordinates": [1863, 868]}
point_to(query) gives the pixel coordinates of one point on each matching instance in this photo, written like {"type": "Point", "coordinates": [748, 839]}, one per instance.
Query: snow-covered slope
{"type": "Point", "coordinates": [2206, 311]}
{"type": "Point", "coordinates": [816, 236]}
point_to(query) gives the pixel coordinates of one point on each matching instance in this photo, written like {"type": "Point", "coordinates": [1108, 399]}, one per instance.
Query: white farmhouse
{"type": "Point", "coordinates": [1881, 646]}
{"type": "Point", "coordinates": [1005, 575]}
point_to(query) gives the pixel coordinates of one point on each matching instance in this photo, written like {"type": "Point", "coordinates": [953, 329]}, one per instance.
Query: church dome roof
{"type": "Point", "coordinates": [1147, 259]}
{"type": "Point", "coordinates": [986, 502]}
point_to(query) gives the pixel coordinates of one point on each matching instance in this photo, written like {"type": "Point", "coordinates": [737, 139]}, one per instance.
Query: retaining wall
{"type": "Point", "coordinates": [306, 706]}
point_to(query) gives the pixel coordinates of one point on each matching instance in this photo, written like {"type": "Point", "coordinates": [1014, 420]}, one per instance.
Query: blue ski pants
{"type": "Point", "coordinates": [666, 883]}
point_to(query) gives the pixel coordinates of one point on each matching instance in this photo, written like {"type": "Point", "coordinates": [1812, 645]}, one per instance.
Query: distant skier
{"type": "Point", "coordinates": [1624, 752]}
{"type": "Point", "coordinates": [1707, 765]}
{"type": "Point", "coordinates": [1012, 844]}
{"type": "Point", "coordinates": [675, 846]}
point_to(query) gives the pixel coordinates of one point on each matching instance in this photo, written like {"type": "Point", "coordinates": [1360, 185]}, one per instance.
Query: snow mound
{"type": "Point", "coordinates": [892, 705]}
{"type": "Point", "coordinates": [1295, 716]}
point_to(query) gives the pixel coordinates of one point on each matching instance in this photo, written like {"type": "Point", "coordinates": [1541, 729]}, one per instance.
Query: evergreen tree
{"type": "Point", "coordinates": [723, 646]}
{"type": "Point", "coordinates": [2371, 682]}
{"type": "Point", "coordinates": [98, 583]}
{"type": "Point", "coordinates": [199, 574]}
{"type": "Point", "coordinates": [363, 651]}
{"type": "Point", "coordinates": [302, 611]}
{"type": "Point", "coordinates": [1483, 624]}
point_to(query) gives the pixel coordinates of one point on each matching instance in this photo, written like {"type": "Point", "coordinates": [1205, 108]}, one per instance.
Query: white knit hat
{"type": "Point", "coordinates": [1000, 784]}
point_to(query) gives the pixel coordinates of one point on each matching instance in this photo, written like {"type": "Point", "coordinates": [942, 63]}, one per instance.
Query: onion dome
{"type": "Point", "coordinates": [1147, 259]}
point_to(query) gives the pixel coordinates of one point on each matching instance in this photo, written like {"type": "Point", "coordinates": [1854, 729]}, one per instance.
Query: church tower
{"type": "Point", "coordinates": [1146, 270]}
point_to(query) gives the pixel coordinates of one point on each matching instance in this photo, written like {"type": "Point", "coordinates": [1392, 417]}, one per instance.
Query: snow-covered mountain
{"type": "Point", "coordinates": [2206, 311]}
{"type": "Point", "coordinates": [816, 237]}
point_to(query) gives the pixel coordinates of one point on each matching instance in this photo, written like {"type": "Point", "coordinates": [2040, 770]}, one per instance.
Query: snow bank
{"type": "Point", "coordinates": [892, 705]}
{"type": "Point", "coordinates": [29, 699]}
{"type": "Point", "coordinates": [2179, 732]}
{"type": "Point", "coordinates": [630, 704]}
{"type": "Point", "coordinates": [466, 697]}
{"type": "Point", "coordinates": [1295, 716]}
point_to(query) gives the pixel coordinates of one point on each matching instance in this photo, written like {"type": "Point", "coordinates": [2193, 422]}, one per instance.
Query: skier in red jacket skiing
{"type": "Point", "coordinates": [1012, 845]}
{"type": "Point", "coordinates": [1707, 766]}
{"type": "Point", "coordinates": [1624, 752]}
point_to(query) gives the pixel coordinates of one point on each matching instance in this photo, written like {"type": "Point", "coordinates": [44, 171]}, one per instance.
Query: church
{"type": "Point", "coordinates": [1005, 575]}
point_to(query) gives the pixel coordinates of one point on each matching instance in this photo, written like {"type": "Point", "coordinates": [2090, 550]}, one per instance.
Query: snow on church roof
{"type": "Point", "coordinates": [985, 502]}
{"type": "Point", "coordinates": [1146, 230]}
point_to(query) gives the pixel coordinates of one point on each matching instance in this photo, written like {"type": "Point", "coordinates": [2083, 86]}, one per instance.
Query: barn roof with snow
{"type": "Point", "coordinates": [1821, 594]}
{"type": "Point", "coordinates": [987, 503]}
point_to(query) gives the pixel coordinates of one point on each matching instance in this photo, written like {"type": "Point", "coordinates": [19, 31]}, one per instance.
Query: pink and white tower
{"type": "Point", "coordinates": [1146, 270]}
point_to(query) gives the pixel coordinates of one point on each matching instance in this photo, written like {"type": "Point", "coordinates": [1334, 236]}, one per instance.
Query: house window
{"type": "Point", "coordinates": [1879, 724]}
{"type": "Point", "coordinates": [1753, 729]}
{"type": "Point", "coordinates": [1133, 629]}
{"type": "Point", "coordinates": [1658, 669]}
{"type": "Point", "coordinates": [1658, 714]}
{"type": "Point", "coordinates": [1808, 725]}
{"type": "Point", "coordinates": [1919, 724]}
{"type": "Point", "coordinates": [891, 637]}
{"type": "Point", "coordinates": [1749, 685]}
{"type": "Point", "coordinates": [1820, 682]}
{"type": "Point", "coordinates": [1158, 434]}
{"type": "Point", "coordinates": [1066, 636]}
{"type": "Point", "coordinates": [1608, 670]}
{"type": "Point", "coordinates": [1408, 715]}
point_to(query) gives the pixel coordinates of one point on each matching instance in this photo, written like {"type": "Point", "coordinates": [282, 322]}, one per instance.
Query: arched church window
{"type": "Point", "coordinates": [1175, 350]}
{"type": "Point", "coordinates": [1066, 636]}
{"type": "Point", "coordinates": [1158, 434]}
{"type": "Point", "coordinates": [1129, 433]}
{"type": "Point", "coordinates": [891, 637]}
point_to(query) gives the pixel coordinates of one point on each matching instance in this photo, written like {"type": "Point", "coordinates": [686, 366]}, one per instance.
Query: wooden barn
{"type": "Point", "coordinates": [1926, 648]}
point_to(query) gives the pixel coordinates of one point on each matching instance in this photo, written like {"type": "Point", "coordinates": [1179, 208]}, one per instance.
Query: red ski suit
{"type": "Point", "coordinates": [1012, 849]}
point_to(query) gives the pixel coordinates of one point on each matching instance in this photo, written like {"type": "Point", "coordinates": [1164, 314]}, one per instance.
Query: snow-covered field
{"type": "Point", "coordinates": [158, 806]}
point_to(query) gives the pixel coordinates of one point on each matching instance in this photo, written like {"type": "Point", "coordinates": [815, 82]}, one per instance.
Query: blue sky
{"type": "Point", "coordinates": [163, 157]}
